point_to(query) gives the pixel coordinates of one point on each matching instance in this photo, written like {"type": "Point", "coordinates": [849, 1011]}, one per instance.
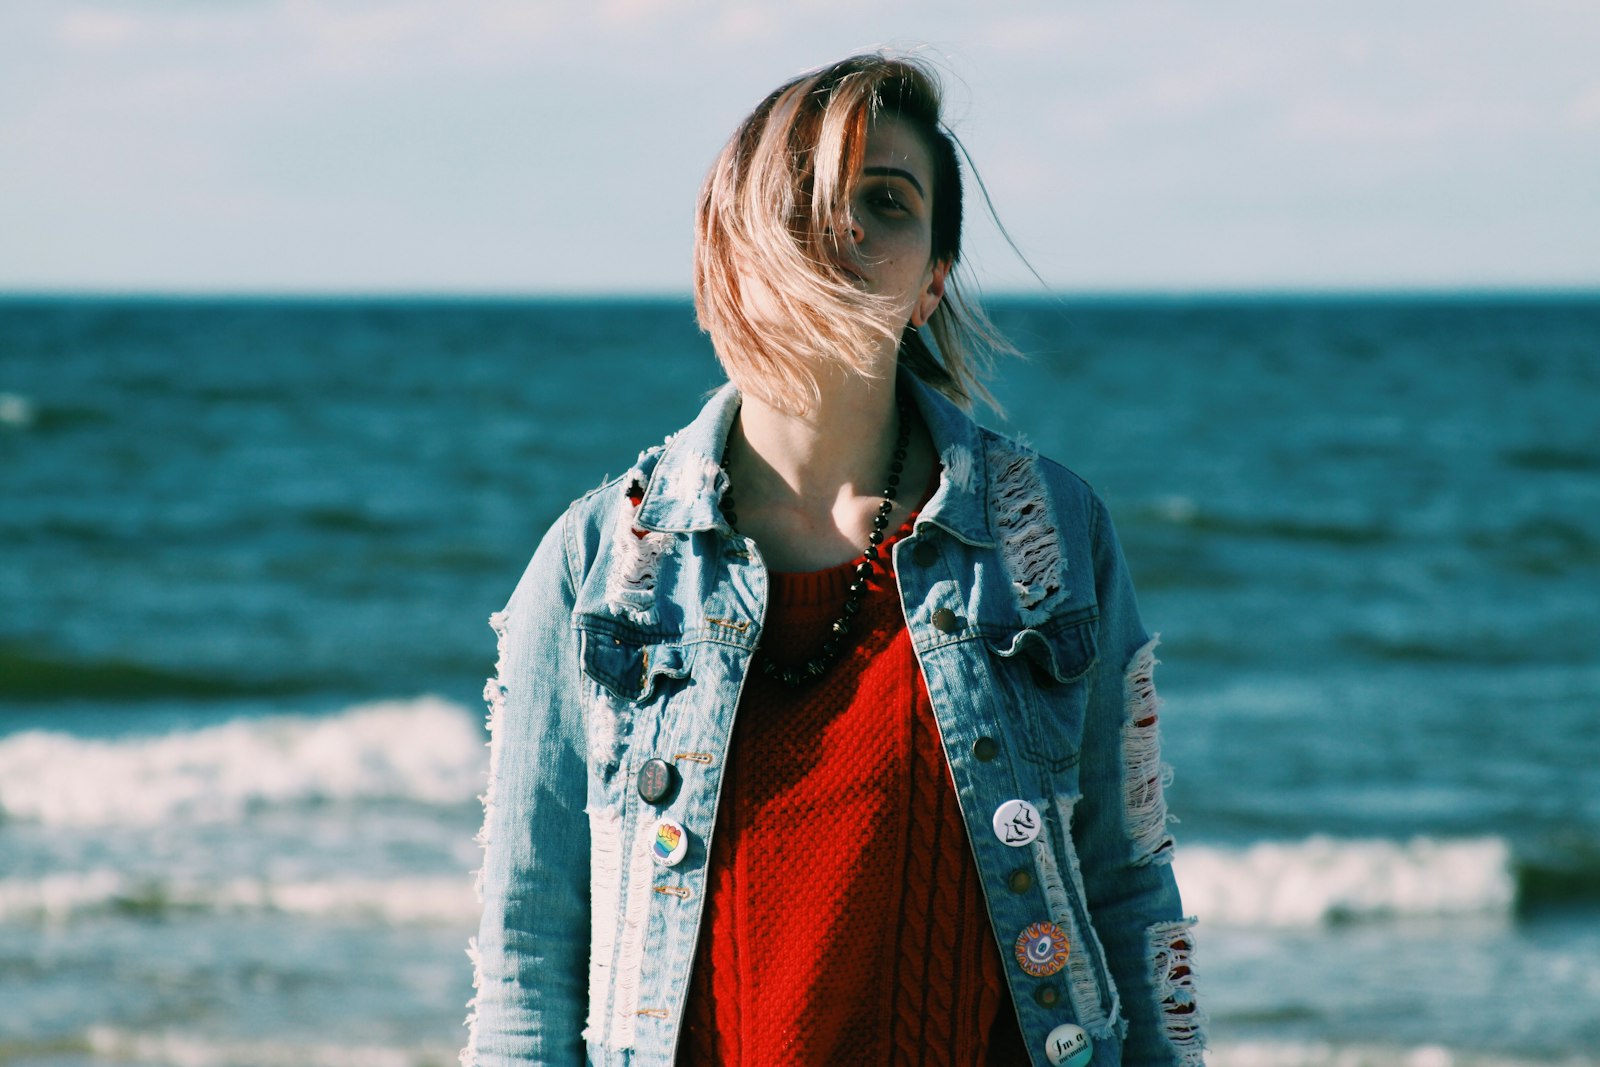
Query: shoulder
{"type": "Point", "coordinates": [568, 550]}
{"type": "Point", "coordinates": [597, 512]}
{"type": "Point", "coordinates": [1018, 475]}
{"type": "Point", "coordinates": [1053, 531]}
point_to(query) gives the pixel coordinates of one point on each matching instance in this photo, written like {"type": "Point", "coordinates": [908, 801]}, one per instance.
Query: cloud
{"type": "Point", "coordinates": [329, 134]}
{"type": "Point", "coordinates": [95, 30]}
{"type": "Point", "coordinates": [1030, 33]}
{"type": "Point", "coordinates": [1376, 122]}
{"type": "Point", "coordinates": [1584, 113]}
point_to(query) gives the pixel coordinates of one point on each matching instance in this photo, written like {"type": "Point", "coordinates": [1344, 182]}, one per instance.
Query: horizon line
{"type": "Point", "coordinates": [1130, 293]}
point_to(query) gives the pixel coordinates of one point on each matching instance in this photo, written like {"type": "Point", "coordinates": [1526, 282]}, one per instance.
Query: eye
{"type": "Point", "coordinates": [889, 200]}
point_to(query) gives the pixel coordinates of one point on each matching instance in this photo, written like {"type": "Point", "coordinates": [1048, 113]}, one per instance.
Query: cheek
{"type": "Point", "coordinates": [909, 255]}
{"type": "Point", "coordinates": [915, 246]}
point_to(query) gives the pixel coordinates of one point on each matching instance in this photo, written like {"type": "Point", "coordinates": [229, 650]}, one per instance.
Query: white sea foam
{"type": "Point", "coordinates": [15, 410]}
{"type": "Point", "coordinates": [1179, 510]}
{"type": "Point", "coordinates": [1304, 884]}
{"type": "Point", "coordinates": [179, 1049]}
{"type": "Point", "coordinates": [407, 900]}
{"type": "Point", "coordinates": [426, 750]}
{"type": "Point", "coordinates": [174, 1048]}
{"type": "Point", "coordinates": [1325, 1054]}
{"type": "Point", "coordinates": [1323, 879]}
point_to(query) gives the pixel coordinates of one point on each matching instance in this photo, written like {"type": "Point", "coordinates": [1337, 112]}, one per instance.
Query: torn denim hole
{"type": "Point", "coordinates": [957, 460]}
{"type": "Point", "coordinates": [1170, 947]}
{"type": "Point", "coordinates": [1083, 985]}
{"type": "Point", "coordinates": [631, 580]}
{"type": "Point", "coordinates": [605, 733]}
{"type": "Point", "coordinates": [630, 947]}
{"type": "Point", "coordinates": [605, 896]}
{"type": "Point", "coordinates": [701, 479]}
{"type": "Point", "coordinates": [1029, 544]}
{"type": "Point", "coordinates": [1144, 776]}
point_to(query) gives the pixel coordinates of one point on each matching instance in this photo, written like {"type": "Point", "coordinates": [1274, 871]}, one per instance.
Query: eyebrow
{"type": "Point", "coordinates": [895, 172]}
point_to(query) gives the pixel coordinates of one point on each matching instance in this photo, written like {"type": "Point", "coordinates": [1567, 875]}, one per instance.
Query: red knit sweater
{"type": "Point", "coordinates": [845, 922]}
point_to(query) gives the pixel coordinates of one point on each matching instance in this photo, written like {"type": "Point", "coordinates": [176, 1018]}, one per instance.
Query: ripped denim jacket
{"type": "Point", "coordinates": [629, 638]}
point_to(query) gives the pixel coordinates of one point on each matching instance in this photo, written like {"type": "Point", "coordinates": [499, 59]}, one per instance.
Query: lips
{"type": "Point", "coordinates": [849, 272]}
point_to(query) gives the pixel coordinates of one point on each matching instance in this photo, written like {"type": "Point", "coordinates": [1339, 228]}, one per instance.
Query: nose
{"type": "Point", "coordinates": [853, 229]}
{"type": "Point", "coordinates": [848, 231]}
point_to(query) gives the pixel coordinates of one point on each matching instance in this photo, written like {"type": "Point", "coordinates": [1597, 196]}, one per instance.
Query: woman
{"type": "Point", "coordinates": [826, 734]}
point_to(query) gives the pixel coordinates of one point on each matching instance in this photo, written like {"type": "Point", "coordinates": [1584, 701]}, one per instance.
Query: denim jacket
{"type": "Point", "coordinates": [630, 637]}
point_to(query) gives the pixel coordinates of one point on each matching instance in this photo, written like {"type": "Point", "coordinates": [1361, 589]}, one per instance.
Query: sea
{"type": "Point", "coordinates": [248, 548]}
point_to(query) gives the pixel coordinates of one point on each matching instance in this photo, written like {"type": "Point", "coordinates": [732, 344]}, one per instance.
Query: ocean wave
{"type": "Point", "coordinates": [1310, 883]}
{"type": "Point", "coordinates": [1415, 649]}
{"type": "Point", "coordinates": [1545, 543]}
{"type": "Point", "coordinates": [180, 1049]}
{"type": "Point", "coordinates": [1318, 882]}
{"type": "Point", "coordinates": [21, 412]}
{"type": "Point", "coordinates": [34, 676]}
{"type": "Point", "coordinates": [1185, 511]}
{"type": "Point", "coordinates": [16, 410]}
{"type": "Point", "coordinates": [349, 520]}
{"type": "Point", "coordinates": [411, 900]}
{"type": "Point", "coordinates": [1552, 458]}
{"type": "Point", "coordinates": [1329, 1054]}
{"type": "Point", "coordinates": [1322, 880]}
{"type": "Point", "coordinates": [427, 751]}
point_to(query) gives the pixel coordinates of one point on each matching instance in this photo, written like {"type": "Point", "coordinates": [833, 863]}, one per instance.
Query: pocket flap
{"type": "Point", "coordinates": [627, 661]}
{"type": "Point", "coordinates": [1063, 648]}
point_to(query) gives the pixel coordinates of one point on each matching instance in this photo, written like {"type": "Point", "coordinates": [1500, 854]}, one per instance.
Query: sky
{"type": "Point", "coordinates": [545, 147]}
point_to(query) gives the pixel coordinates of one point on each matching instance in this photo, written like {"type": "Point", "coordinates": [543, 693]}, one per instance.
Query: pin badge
{"type": "Point", "coordinates": [1068, 1046]}
{"type": "Point", "coordinates": [656, 781]}
{"type": "Point", "coordinates": [671, 842]}
{"type": "Point", "coordinates": [1042, 949]}
{"type": "Point", "coordinates": [1017, 823]}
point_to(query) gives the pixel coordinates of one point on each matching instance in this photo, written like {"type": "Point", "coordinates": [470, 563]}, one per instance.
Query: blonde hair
{"type": "Point", "coordinates": [765, 285]}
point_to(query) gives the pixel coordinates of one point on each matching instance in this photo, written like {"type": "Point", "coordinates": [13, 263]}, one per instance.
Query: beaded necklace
{"type": "Point", "coordinates": [834, 646]}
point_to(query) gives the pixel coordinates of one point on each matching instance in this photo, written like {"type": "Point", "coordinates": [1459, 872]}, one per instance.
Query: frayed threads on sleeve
{"type": "Point", "coordinates": [1145, 777]}
{"type": "Point", "coordinates": [1172, 979]}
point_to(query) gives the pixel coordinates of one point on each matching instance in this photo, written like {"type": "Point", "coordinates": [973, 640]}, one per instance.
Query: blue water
{"type": "Point", "coordinates": [247, 549]}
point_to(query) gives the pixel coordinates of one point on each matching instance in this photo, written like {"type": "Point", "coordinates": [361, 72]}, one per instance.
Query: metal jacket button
{"type": "Point", "coordinates": [1017, 823]}
{"type": "Point", "coordinates": [946, 621]}
{"type": "Point", "coordinates": [1047, 996]}
{"type": "Point", "coordinates": [1068, 1046]}
{"type": "Point", "coordinates": [986, 749]}
{"type": "Point", "coordinates": [926, 554]}
{"type": "Point", "coordinates": [1020, 880]}
{"type": "Point", "coordinates": [657, 780]}
{"type": "Point", "coordinates": [670, 843]}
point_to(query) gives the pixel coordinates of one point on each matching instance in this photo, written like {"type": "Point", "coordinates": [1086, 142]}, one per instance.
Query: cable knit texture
{"type": "Point", "coordinates": [845, 922]}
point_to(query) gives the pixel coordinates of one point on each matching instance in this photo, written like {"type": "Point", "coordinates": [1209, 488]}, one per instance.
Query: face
{"type": "Point", "coordinates": [889, 247]}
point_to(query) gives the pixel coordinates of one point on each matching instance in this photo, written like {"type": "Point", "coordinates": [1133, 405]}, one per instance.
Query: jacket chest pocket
{"type": "Point", "coordinates": [1042, 673]}
{"type": "Point", "coordinates": [626, 670]}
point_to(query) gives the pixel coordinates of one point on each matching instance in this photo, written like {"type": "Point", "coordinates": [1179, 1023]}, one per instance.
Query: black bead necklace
{"type": "Point", "coordinates": [834, 645]}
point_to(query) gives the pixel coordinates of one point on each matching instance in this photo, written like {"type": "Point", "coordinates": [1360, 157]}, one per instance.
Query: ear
{"type": "Point", "coordinates": [932, 294]}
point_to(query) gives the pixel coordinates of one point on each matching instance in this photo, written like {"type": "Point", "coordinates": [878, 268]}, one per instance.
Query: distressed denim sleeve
{"type": "Point", "coordinates": [1121, 830]}
{"type": "Point", "coordinates": [531, 952]}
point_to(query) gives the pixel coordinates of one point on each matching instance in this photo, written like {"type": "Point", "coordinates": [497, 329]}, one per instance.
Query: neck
{"type": "Point", "coordinates": [808, 486]}
{"type": "Point", "coordinates": [843, 444]}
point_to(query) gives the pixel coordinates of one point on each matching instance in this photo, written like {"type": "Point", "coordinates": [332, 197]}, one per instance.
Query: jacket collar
{"type": "Point", "coordinates": [685, 488]}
